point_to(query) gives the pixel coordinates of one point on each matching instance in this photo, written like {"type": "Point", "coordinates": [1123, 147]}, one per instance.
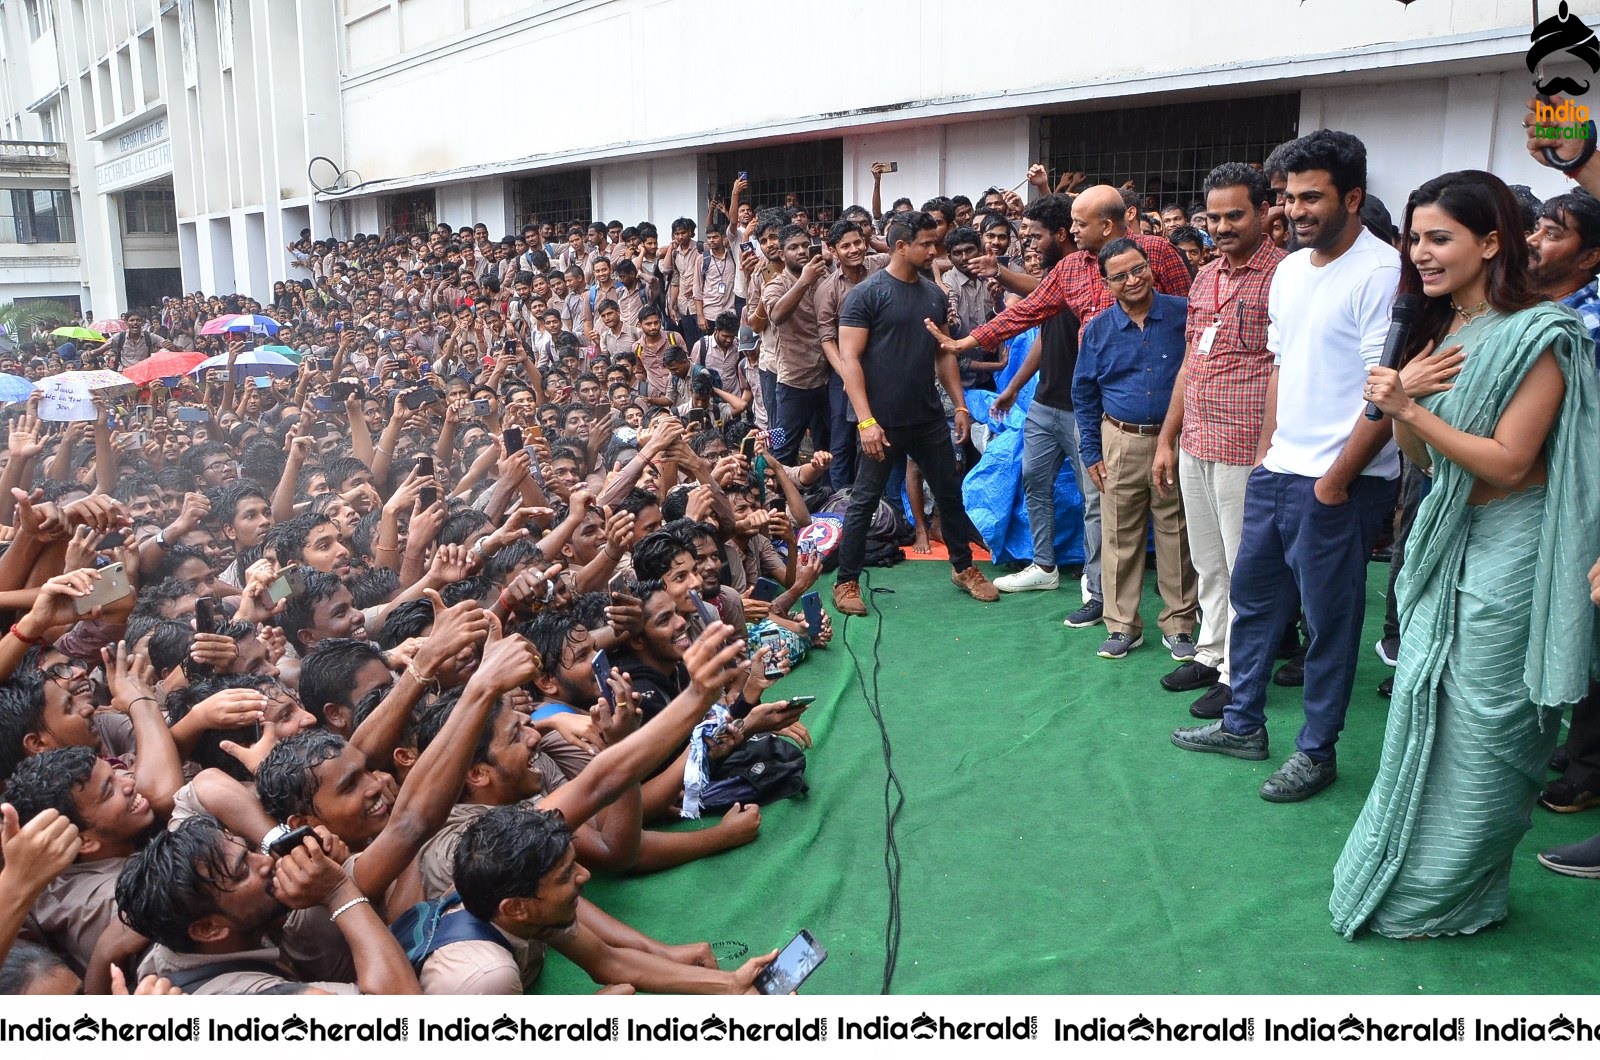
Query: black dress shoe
{"type": "Point", "coordinates": [1386, 688]}
{"type": "Point", "coordinates": [1190, 676]}
{"type": "Point", "coordinates": [1211, 705]}
{"type": "Point", "coordinates": [1291, 674]}
{"type": "Point", "coordinates": [1560, 760]}
{"type": "Point", "coordinates": [1299, 778]}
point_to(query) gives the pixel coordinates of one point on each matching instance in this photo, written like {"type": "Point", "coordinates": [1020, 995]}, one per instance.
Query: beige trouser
{"type": "Point", "coordinates": [1126, 506]}
{"type": "Point", "coordinates": [1213, 507]}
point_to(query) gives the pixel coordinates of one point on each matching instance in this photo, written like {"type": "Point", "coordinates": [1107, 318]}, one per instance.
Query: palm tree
{"type": "Point", "coordinates": [19, 319]}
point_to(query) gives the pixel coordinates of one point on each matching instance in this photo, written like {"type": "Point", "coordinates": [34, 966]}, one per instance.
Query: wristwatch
{"type": "Point", "coordinates": [161, 539]}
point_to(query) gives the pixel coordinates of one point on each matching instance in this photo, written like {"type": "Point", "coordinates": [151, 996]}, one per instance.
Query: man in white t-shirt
{"type": "Point", "coordinates": [1327, 474]}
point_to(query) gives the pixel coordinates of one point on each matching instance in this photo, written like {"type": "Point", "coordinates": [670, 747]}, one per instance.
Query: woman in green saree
{"type": "Point", "coordinates": [1496, 628]}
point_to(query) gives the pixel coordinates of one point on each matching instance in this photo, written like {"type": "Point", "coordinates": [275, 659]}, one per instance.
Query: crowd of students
{"type": "Point", "coordinates": [346, 675]}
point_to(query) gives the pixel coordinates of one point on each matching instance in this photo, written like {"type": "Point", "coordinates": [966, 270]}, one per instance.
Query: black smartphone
{"type": "Point", "coordinates": [801, 701]}
{"type": "Point", "coordinates": [324, 404]}
{"type": "Point", "coordinates": [748, 447]}
{"type": "Point", "coordinates": [425, 466]}
{"type": "Point", "coordinates": [624, 582]}
{"type": "Point", "coordinates": [1003, 260]}
{"type": "Point", "coordinates": [325, 364]}
{"type": "Point", "coordinates": [205, 615]}
{"type": "Point", "coordinates": [707, 614]}
{"type": "Point", "coordinates": [290, 840]}
{"type": "Point", "coordinates": [511, 437]}
{"type": "Point", "coordinates": [811, 604]}
{"type": "Point", "coordinates": [419, 397]}
{"type": "Point", "coordinates": [816, 249]}
{"type": "Point", "coordinates": [768, 590]}
{"type": "Point", "coordinates": [112, 539]}
{"type": "Point", "coordinates": [602, 675]}
{"type": "Point", "coordinates": [700, 418]}
{"type": "Point", "coordinates": [793, 965]}
{"type": "Point", "coordinates": [342, 389]}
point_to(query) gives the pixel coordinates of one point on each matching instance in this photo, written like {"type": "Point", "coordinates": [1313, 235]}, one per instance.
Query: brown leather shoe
{"type": "Point", "coordinates": [972, 582]}
{"type": "Point", "coordinates": [847, 598]}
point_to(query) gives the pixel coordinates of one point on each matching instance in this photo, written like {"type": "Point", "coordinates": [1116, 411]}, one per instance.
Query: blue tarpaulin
{"type": "Point", "coordinates": [993, 489]}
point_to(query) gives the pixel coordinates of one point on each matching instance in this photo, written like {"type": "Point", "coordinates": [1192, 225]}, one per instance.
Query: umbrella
{"type": "Point", "coordinates": [170, 363]}
{"type": "Point", "coordinates": [70, 395]}
{"type": "Point", "coordinates": [249, 362]}
{"type": "Point", "coordinates": [79, 333]}
{"type": "Point", "coordinates": [283, 351]}
{"type": "Point", "coordinates": [217, 325]}
{"type": "Point", "coordinates": [251, 322]}
{"type": "Point", "coordinates": [15, 388]}
{"type": "Point", "coordinates": [110, 326]}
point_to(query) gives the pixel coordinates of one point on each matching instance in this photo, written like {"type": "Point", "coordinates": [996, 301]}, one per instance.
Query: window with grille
{"type": "Point", "coordinates": [412, 212]}
{"type": "Point", "coordinates": [1167, 150]}
{"type": "Point", "coordinates": [149, 211]}
{"type": "Point", "coordinates": [559, 198]}
{"type": "Point", "coordinates": [36, 216]}
{"type": "Point", "coordinates": [813, 172]}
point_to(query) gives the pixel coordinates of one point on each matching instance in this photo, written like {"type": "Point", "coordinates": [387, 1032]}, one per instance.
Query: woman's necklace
{"type": "Point", "coordinates": [1469, 315]}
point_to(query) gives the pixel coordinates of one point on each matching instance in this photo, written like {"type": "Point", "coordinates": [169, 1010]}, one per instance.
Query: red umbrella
{"type": "Point", "coordinates": [163, 365]}
{"type": "Point", "coordinates": [217, 325]}
{"type": "Point", "coordinates": [110, 326]}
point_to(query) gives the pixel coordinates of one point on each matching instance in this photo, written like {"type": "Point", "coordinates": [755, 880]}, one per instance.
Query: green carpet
{"type": "Point", "coordinates": [1053, 841]}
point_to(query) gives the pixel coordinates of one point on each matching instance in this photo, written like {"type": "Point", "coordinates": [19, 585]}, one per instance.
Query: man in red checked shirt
{"type": "Point", "coordinates": [1218, 405]}
{"type": "Point", "coordinates": [1073, 289]}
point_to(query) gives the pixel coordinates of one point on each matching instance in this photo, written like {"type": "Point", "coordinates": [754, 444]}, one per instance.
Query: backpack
{"type": "Point", "coordinates": [424, 929]}
{"type": "Point", "coordinates": [763, 769]}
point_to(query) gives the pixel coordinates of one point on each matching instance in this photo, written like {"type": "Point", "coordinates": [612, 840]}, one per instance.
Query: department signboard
{"type": "Point", "coordinates": [139, 155]}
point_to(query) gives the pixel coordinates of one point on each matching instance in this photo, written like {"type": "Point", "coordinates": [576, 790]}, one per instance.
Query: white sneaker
{"type": "Point", "coordinates": [1029, 578]}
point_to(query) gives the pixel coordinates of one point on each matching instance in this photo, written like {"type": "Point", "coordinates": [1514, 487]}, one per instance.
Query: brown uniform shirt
{"type": "Point", "coordinates": [800, 361]}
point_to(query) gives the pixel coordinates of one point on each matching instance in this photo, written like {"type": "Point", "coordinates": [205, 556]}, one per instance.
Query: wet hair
{"type": "Point", "coordinates": [225, 500]}
{"type": "Point", "coordinates": [26, 964]}
{"type": "Point", "coordinates": [208, 752]}
{"type": "Point", "coordinates": [50, 781]}
{"type": "Point", "coordinates": [1186, 234]}
{"type": "Point", "coordinates": [1579, 211]}
{"type": "Point", "coordinates": [404, 621]}
{"type": "Point", "coordinates": [372, 588]}
{"type": "Point", "coordinates": [300, 609]}
{"type": "Point", "coordinates": [904, 228]}
{"type": "Point", "coordinates": [174, 881]}
{"type": "Point", "coordinates": [505, 853]}
{"type": "Point", "coordinates": [963, 237]}
{"type": "Point", "coordinates": [328, 673]}
{"type": "Point", "coordinates": [287, 539]}
{"type": "Point", "coordinates": [168, 644]}
{"type": "Point", "coordinates": [287, 782]}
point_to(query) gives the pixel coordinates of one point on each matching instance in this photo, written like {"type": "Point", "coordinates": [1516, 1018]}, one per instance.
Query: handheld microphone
{"type": "Point", "coordinates": [1401, 317]}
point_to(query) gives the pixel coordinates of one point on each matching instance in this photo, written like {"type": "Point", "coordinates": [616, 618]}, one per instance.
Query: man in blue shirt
{"type": "Point", "coordinates": [1128, 360]}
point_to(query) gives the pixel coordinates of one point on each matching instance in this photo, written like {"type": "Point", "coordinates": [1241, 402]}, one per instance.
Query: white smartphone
{"type": "Point", "coordinates": [112, 586]}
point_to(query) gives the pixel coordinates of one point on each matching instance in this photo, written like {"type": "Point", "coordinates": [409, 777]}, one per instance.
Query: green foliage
{"type": "Point", "coordinates": [19, 319]}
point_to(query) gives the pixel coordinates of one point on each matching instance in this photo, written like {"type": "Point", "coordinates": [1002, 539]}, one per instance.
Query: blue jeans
{"type": "Point", "coordinates": [1293, 541]}
{"type": "Point", "coordinates": [798, 411]}
{"type": "Point", "coordinates": [1050, 435]}
{"type": "Point", "coordinates": [843, 436]}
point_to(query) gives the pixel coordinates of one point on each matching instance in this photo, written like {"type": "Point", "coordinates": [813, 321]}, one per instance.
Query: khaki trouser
{"type": "Point", "coordinates": [1213, 509]}
{"type": "Point", "coordinates": [1126, 506]}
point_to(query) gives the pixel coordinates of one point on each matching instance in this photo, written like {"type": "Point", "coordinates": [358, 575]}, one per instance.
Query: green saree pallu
{"type": "Point", "coordinates": [1497, 634]}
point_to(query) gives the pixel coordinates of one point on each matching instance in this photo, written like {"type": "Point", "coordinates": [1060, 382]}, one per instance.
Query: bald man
{"type": "Point", "coordinates": [1071, 294]}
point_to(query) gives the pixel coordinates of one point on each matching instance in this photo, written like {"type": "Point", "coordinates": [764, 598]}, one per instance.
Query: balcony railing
{"type": "Point", "coordinates": [32, 150]}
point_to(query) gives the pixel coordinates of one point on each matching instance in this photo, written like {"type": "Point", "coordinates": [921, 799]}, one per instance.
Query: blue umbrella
{"type": "Point", "coordinates": [253, 322]}
{"type": "Point", "coordinates": [15, 388]}
{"type": "Point", "coordinates": [249, 362]}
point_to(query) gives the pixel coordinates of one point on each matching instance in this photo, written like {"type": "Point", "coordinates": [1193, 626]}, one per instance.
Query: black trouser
{"type": "Point", "coordinates": [1583, 742]}
{"type": "Point", "coordinates": [929, 445]}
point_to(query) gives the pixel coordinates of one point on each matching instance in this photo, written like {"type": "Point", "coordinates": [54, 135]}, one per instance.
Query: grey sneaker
{"type": "Point", "coordinates": [1087, 615]}
{"type": "Point", "coordinates": [1181, 645]}
{"type": "Point", "coordinates": [1214, 739]}
{"type": "Point", "coordinates": [1299, 778]}
{"type": "Point", "coordinates": [1118, 645]}
{"type": "Point", "coordinates": [1575, 859]}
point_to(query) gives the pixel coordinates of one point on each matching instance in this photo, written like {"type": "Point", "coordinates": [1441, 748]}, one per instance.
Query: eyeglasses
{"type": "Point", "coordinates": [1141, 269]}
{"type": "Point", "coordinates": [219, 465]}
{"type": "Point", "coordinates": [67, 672]}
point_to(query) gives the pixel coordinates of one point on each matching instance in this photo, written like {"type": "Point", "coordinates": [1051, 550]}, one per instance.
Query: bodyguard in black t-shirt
{"type": "Point", "coordinates": [888, 360]}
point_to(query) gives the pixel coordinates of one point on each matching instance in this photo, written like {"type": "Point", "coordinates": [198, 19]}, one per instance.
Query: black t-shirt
{"type": "Point", "coordinates": [1058, 358]}
{"type": "Point", "coordinates": [899, 358]}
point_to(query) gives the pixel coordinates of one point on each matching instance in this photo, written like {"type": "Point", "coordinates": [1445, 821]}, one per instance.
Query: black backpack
{"type": "Point", "coordinates": [763, 769]}
{"type": "Point", "coordinates": [425, 928]}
